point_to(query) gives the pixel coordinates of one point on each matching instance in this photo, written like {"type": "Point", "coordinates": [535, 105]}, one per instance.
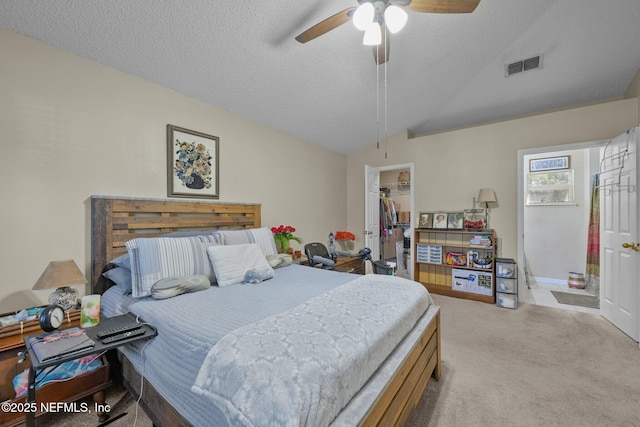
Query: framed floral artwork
{"type": "Point", "coordinates": [192, 163]}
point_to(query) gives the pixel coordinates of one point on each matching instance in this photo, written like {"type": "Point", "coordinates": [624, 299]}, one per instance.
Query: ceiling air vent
{"type": "Point", "coordinates": [524, 65]}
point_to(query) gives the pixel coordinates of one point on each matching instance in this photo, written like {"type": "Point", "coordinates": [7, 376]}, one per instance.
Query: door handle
{"type": "Point", "coordinates": [632, 246]}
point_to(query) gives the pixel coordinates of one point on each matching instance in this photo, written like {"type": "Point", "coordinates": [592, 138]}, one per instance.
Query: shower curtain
{"type": "Point", "coordinates": [592, 278]}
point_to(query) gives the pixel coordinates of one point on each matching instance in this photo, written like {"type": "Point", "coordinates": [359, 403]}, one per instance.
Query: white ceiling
{"type": "Point", "coordinates": [444, 71]}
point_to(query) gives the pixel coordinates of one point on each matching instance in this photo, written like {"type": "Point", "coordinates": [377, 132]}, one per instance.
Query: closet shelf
{"type": "Point", "coordinates": [397, 186]}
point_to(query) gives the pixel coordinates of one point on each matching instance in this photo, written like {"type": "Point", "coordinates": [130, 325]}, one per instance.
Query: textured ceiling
{"type": "Point", "coordinates": [445, 71]}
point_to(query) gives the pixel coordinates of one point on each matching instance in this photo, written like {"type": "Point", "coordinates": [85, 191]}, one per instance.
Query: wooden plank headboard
{"type": "Point", "coordinates": [115, 220]}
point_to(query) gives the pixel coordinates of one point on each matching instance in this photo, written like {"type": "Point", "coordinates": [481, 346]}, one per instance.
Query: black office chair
{"type": "Point", "coordinates": [319, 256]}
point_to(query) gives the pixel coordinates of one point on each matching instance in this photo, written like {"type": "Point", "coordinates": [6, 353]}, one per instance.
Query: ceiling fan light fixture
{"type": "Point", "coordinates": [395, 18]}
{"type": "Point", "coordinates": [373, 35]}
{"type": "Point", "coordinates": [363, 16]}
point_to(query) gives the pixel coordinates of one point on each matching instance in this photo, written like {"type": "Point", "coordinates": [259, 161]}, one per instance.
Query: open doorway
{"type": "Point", "coordinates": [554, 194]}
{"type": "Point", "coordinates": [388, 213]}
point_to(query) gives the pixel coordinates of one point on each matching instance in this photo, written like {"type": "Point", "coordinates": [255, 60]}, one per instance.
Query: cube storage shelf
{"type": "Point", "coordinates": [474, 280]}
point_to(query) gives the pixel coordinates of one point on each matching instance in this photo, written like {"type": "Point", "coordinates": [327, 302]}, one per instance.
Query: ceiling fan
{"type": "Point", "coordinates": [379, 17]}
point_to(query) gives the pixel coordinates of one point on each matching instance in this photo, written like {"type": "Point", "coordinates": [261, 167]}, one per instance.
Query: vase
{"type": "Point", "coordinates": [196, 183]}
{"type": "Point", "coordinates": [282, 245]}
{"type": "Point", "coordinates": [345, 245]}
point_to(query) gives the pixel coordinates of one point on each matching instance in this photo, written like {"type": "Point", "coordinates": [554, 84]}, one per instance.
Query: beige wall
{"type": "Point", "coordinates": [450, 167]}
{"type": "Point", "coordinates": [72, 128]}
{"type": "Point", "coordinates": [633, 91]}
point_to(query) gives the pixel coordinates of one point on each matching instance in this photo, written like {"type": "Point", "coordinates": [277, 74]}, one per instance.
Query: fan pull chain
{"type": "Point", "coordinates": [385, 96]}
{"type": "Point", "coordinates": [377, 108]}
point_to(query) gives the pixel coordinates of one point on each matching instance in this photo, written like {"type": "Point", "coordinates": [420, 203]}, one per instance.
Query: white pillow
{"type": "Point", "coordinates": [231, 262]}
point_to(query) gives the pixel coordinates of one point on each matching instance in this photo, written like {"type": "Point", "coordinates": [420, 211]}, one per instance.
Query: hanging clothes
{"type": "Point", "coordinates": [388, 216]}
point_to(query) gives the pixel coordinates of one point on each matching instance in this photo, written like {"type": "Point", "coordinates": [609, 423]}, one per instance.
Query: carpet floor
{"type": "Point", "coordinates": [581, 300]}
{"type": "Point", "coordinates": [532, 366]}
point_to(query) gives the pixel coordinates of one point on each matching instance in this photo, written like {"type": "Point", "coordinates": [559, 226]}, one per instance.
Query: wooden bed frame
{"type": "Point", "coordinates": [117, 220]}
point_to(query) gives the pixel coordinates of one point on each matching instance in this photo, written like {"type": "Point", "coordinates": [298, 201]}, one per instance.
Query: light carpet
{"type": "Point", "coordinates": [532, 366]}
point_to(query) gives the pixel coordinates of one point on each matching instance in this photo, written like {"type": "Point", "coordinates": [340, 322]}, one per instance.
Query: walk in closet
{"type": "Point", "coordinates": [395, 221]}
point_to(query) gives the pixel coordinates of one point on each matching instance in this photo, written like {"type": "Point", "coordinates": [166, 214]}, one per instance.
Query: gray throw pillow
{"type": "Point", "coordinates": [168, 288]}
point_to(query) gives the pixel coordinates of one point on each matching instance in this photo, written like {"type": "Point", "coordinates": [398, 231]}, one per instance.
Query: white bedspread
{"type": "Point", "coordinates": [301, 367]}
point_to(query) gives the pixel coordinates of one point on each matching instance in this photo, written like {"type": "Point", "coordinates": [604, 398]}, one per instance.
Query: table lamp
{"type": "Point", "coordinates": [486, 196]}
{"type": "Point", "coordinates": [61, 275]}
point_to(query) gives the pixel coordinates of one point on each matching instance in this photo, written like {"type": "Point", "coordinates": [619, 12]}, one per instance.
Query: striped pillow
{"type": "Point", "coordinates": [160, 258]}
{"type": "Point", "coordinates": [262, 236]}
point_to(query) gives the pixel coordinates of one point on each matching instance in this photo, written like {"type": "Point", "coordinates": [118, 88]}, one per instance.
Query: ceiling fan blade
{"type": "Point", "coordinates": [381, 51]}
{"type": "Point", "coordinates": [325, 26]}
{"type": "Point", "coordinates": [443, 6]}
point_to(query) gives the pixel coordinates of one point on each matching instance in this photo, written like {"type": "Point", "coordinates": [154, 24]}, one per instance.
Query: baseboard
{"type": "Point", "coordinates": [550, 281]}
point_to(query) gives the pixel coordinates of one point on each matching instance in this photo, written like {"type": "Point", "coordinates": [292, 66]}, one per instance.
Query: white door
{"type": "Point", "coordinates": [372, 211]}
{"type": "Point", "coordinates": [620, 274]}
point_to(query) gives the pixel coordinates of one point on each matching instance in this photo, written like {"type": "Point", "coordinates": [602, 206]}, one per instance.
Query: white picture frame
{"type": "Point", "coordinates": [440, 220]}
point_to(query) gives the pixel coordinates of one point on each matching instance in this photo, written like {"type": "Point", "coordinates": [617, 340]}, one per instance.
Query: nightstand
{"type": "Point", "coordinates": [100, 347]}
{"type": "Point", "coordinates": [353, 264]}
{"type": "Point", "coordinates": [12, 350]}
{"type": "Point", "coordinates": [356, 263]}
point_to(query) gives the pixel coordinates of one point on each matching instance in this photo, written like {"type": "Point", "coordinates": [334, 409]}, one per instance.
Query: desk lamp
{"type": "Point", "coordinates": [486, 196]}
{"type": "Point", "coordinates": [61, 275]}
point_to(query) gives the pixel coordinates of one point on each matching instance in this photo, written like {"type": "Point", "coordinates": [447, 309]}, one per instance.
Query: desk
{"type": "Point", "coordinates": [105, 323]}
{"type": "Point", "coordinates": [13, 361]}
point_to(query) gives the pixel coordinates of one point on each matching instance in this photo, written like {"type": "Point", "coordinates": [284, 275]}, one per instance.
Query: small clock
{"type": "Point", "coordinates": [51, 318]}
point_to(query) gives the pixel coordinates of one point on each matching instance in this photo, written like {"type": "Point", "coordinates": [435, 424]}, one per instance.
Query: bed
{"type": "Point", "coordinates": [178, 390]}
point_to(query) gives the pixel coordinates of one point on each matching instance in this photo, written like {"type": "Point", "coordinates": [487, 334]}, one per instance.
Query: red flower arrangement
{"type": "Point", "coordinates": [345, 235]}
{"type": "Point", "coordinates": [282, 234]}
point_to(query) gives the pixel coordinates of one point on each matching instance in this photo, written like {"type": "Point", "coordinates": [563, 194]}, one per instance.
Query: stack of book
{"type": "Point", "coordinates": [480, 240]}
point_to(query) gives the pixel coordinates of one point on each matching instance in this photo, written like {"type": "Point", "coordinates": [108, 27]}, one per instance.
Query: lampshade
{"type": "Point", "coordinates": [373, 35]}
{"type": "Point", "coordinates": [61, 275]}
{"type": "Point", "coordinates": [363, 16]}
{"type": "Point", "coordinates": [487, 195]}
{"type": "Point", "coordinates": [395, 18]}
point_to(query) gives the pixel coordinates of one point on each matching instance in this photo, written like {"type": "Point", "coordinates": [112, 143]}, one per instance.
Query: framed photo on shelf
{"type": "Point", "coordinates": [192, 163]}
{"type": "Point", "coordinates": [455, 220]}
{"type": "Point", "coordinates": [440, 220]}
{"type": "Point", "coordinates": [425, 220]}
{"type": "Point", "coordinates": [549, 163]}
